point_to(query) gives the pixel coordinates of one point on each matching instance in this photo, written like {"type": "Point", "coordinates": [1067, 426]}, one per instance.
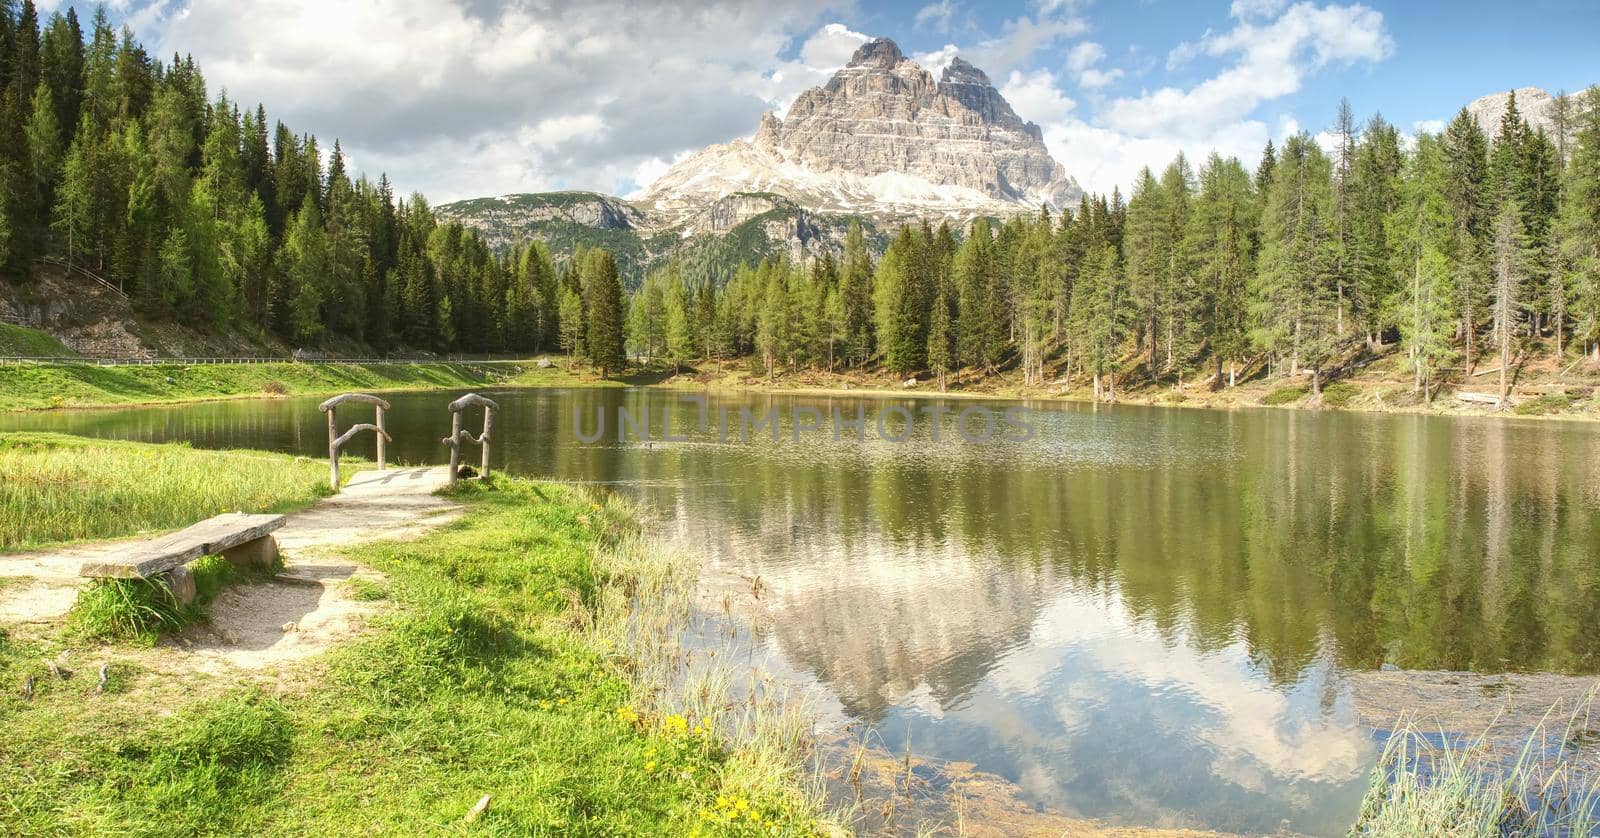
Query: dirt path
{"type": "Point", "coordinates": [303, 611]}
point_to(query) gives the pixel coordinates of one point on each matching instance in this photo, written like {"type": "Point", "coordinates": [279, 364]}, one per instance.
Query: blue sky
{"type": "Point", "coordinates": [1445, 53]}
{"type": "Point", "coordinates": [458, 98]}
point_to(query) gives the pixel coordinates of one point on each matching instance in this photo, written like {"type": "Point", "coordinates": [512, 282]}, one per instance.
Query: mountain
{"type": "Point", "coordinates": [883, 138]}
{"type": "Point", "coordinates": [882, 141]}
{"type": "Point", "coordinates": [1536, 106]}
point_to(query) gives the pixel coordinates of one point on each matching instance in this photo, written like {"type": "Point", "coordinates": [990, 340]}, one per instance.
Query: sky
{"type": "Point", "coordinates": [465, 98]}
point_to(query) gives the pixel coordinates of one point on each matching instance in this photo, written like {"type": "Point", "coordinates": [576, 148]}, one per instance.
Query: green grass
{"type": "Point", "coordinates": [59, 488]}
{"type": "Point", "coordinates": [1546, 404]}
{"type": "Point", "coordinates": [1284, 395]}
{"type": "Point", "coordinates": [20, 340]}
{"type": "Point", "coordinates": [141, 610]}
{"type": "Point", "coordinates": [522, 653]}
{"type": "Point", "coordinates": [1422, 788]}
{"type": "Point", "coordinates": [1339, 393]}
{"type": "Point", "coordinates": [35, 386]}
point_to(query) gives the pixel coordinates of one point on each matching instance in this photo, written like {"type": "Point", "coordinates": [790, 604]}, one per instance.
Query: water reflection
{"type": "Point", "coordinates": [1142, 614]}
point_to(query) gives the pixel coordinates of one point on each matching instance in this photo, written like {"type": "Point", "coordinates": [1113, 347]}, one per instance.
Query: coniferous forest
{"type": "Point", "coordinates": [1458, 246]}
{"type": "Point", "coordinates": [116, 163]}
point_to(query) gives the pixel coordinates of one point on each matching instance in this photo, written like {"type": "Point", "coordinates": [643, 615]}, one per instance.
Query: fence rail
{"type": "Point", "coordinates": [51, 360]}
{"type": "Point", "coordinates": [87, 274]}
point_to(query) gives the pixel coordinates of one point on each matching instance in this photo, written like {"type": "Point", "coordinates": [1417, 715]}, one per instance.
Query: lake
{"type": "Point", "coordinates": [1154, 616]}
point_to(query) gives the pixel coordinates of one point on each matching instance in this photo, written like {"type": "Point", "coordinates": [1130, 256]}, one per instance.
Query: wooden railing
{"type": "Point", "coordinates": [337, 440]}
{"type": "Point", "coordinates": [88, 274]}
{"type": "Point", "coordinates": [459, 434]}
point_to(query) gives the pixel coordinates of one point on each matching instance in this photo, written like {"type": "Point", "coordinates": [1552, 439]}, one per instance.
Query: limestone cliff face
{"type": "Point", "coordinates": [883, 137]}
{"type": "Point", "coordinates": [1535, 105]}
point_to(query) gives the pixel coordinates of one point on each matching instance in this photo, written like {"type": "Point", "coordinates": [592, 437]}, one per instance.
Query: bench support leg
{"type": "Point", "coordinates": [261, 553]}
{"type": "Point", "coordinates": [180, 582]}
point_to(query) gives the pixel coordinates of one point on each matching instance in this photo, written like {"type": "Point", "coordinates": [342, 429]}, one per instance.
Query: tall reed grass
{"type": "Point", "coordinates": [1435, 784]}
{"type": "Point", "coordinates": [56, 488]}
{"type": "Point", "coordinates": [644, 606]}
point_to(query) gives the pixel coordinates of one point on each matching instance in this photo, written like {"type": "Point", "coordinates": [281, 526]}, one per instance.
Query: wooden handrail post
{"type": "Point", "coordinates": [458, 433]}
{"type": "Point", "coordinates": [337, 440]}
{"type": "Point", "coordinates": [333, 451]}
{"type": "Point", "coordinates": [455, 444]}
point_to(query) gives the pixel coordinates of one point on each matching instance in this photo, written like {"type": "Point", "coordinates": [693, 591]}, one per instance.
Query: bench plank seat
{"type": "Point", "coordinates": [207, 538]}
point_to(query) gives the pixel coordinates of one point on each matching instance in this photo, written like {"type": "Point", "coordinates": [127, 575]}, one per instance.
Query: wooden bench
{"type": "Point", "coordinates": [239, 538]}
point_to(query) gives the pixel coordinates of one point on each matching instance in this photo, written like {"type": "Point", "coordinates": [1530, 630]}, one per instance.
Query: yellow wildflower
{"type": "Point", "coordinates": [650, 766]}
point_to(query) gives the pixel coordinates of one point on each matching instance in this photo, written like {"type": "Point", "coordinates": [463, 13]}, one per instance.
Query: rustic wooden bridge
{"type": "Point", "coordinates": [249, 539]}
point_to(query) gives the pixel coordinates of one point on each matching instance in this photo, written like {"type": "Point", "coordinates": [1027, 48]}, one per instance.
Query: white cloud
{"type": "Point", "coordinates": [1084, 59]}
{"type": "Point", "coordinates": [1428, 126]}
{"type": "Point", "coordinates": [1093, 78]}
{"type": "Point", "coordinates": [934, 62]}
{"type": "Point", "coordinates": [1264, 60]}
{"type": "Point", "coordinates": [939, 17]}
{"type": "Point", "coordinates": [1085, 55]}
{"type": "Point", "coordinates": [1272, 61]}
{"type": "Point", "coordinates": [1255, 8]}
{"type": "Point", "coordinates": [1036, 97]}
{"type": "Point", "coordinates": [458, 98]}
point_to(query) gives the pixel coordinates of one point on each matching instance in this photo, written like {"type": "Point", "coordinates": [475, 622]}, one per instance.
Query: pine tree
{"type": "Point", "coordinates": [941, 340]}
{"type": "Point", "coordinates": [1466, 183]}
{"type": "Point", "coordinates": [1294, 296]}
{"type": "Point", "coordinates": [1577, 229]}
{"type": "Point", "coordinates": [855, 297]}
{"type": "Point", "coordinates": [1343, 177]}
{"type": "Point", "coordinates": [1510, 267]}
{"type": "Point", "coordinates": [1147, 248]}
{"type": "Point", "coordinates": [980, 339]}
{"type": "Point", "coordinates": [74, 202]}
{"type": "Point", "coordinates": [1374, 195]}
{"type": "Point", "coordinates": [679, 316]}
{"type": "Point", "coordinates": [602, 289]}
{"type": "Point", "coordinates": [1216, 248]}
{"type": "Point", "coordinates": [1422, 231]}
{"type": "Point", "coordinates": [303, 265]}
{"type": "Point", "coordinates": [571, 318]}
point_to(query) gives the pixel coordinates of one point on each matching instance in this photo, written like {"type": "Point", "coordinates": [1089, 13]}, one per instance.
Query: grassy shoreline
{"type": "Point", "coordinates": [1360, 395]}
{"type": "Point", "coordinates": [87, 387]}
{"type": "Point", "coordinates": [45, 387]}
{"type": "Point", "coordinates": [527, 652]}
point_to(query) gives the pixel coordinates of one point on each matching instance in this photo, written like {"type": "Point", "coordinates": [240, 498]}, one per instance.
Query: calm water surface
{"type": "Point", "coordinates": [1146, 615]}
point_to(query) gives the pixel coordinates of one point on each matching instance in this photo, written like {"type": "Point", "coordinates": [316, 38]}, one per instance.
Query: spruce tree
{"type": "Point", "coordinates": [1466, 188]}
{"type": "Point", "coordinates": [602, 288]}
{"type": "Point", "coordinates": [1422, 231]}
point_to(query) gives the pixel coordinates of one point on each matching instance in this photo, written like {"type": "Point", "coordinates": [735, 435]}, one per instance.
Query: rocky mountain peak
{"type": "Point", "coordinates": [958, 71]}
{"type": "Point", "coordinates": [883, 137]}
{"type": "Point", "coordinates": [879, 52]}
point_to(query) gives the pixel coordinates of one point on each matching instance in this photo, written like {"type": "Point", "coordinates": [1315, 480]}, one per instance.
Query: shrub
{"type": "Point", "coordinates": [1339, 394]}
{"type": "Point", "coordinates": [1284, 395]}
{"type": "Point", "coordinates": [275, 388]}
{"type": "Point", "coordinates": [1548, 403]}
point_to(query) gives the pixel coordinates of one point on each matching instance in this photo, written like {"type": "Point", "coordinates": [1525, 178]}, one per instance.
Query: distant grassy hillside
{"type": "Point", "coordinates": [20, 340]}
{"type": "Point", "coordinates": [567, 221]}
{"type": "Point", "coordinates": [35, 386]}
